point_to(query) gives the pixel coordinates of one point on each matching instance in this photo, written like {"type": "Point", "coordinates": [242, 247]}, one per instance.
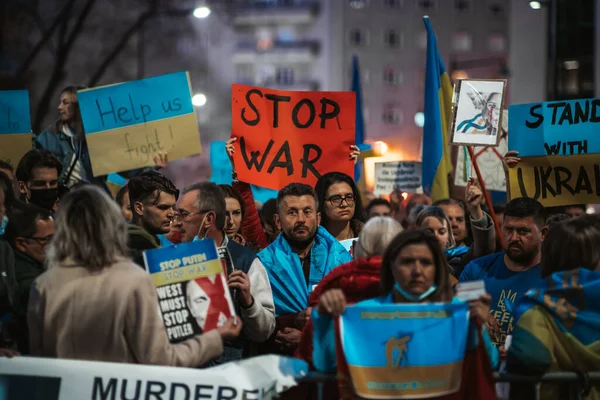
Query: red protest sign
{"type": "Point", "coordinates": [285, 137]}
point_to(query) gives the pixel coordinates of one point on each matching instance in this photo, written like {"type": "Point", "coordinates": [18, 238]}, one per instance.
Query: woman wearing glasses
{"type": "Point", "coordinates": [340, 205]}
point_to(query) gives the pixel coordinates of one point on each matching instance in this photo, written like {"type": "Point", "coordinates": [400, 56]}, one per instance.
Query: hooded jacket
{"type": "Point", "coordinates": [139, 241]}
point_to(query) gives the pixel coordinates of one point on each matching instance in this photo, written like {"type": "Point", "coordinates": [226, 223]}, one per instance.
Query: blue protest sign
{"type": "Point", "coordinates": [15, 125]}
{"type": "Point", "coordinates": [555, 128]}
{"type": "Point", "coordinates": [395, 351]}
{"type": "Point", "coordinates": [192, 288]}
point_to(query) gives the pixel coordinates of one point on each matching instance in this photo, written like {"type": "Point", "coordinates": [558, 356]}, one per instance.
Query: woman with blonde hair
{"type": "Point", "coordinates": [93, 303]}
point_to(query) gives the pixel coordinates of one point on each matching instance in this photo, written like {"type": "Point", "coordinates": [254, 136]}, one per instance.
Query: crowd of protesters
{"type": "Point", "coordinates": [73, 284]}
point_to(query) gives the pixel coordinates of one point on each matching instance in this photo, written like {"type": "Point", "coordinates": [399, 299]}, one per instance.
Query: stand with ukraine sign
{"type": "Point", "coordinates": [394, 351]}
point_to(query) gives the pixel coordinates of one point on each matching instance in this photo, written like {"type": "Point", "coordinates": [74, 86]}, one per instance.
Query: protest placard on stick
{"type": "Point", "coordinates": [127, 124]}
{"type": "Point", "coordinates": [15, 125]}
{"type": "Point", "coordinates": [397, 175]}
{"type": "Point", "coordinates": [192, 288]}
{"type": "Point", "coordinates": [285, 136]}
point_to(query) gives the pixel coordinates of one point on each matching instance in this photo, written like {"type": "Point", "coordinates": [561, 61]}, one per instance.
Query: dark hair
{"type": "Point", "coordinates": [6, 165]}
{"type": "Point", "coordinates": [72, 89]}
{"type": "Point", "coordinates": [36, 158]}
{"type": "Point", "coordinates": [450, 202]}
{"type": "Point", "coordinates": [7, 188]}
{"type": "Point", "coordinates": [410, 237]}
{"type": "Point", "coordinates": [524, 207]}
{"type": "Point", "coordinates": [296, 189]}
{"type": "Point", "coordinates": [569, 245]}
{"type": "Point", "coordinates": [148, 186]}
{"type": "Point", "coordinates": [440, 215]}
{"type": "Point", "coordinates": [555, 219]}
{"type": "Point", "coordinates": [230, 193]}
{"type": "Point", "coordinates": [580, 206]}
{"type": "Point", "coordinates": [121, 195]}
{"type": "Point", "coordinates": [210, 198]}
{"type": "Point", "coordinates": [377, 202]}
{"type": "Point", "coordinates": [499, 208]}
{"type": "Point", "coordinates": [268, 210]}
{"type": "Point", "coordinates": [21, 222]}
{"type": "Point", "coordinates": [323, 185]}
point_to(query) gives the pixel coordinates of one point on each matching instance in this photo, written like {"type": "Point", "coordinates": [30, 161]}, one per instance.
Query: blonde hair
{"type": "Point", "coordinates": [377, 233]}
{"type": "Point", "coordinates": [89, 230]}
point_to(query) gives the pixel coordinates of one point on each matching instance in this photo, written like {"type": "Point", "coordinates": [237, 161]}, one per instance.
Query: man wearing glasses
{"type": "Point", "coordinates": [28, 232]}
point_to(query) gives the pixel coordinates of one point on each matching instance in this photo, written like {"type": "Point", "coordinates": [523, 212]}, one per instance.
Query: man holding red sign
{"type": "Point", "coordinates": [290, 137]}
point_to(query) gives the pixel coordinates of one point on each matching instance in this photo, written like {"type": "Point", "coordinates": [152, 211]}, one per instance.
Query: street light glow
{"type": "Point", "coordinates": [536, 5]}
{"type": "Point", "coordinates": [201, 12]}
{"type": "Point", "coordinates": [199, 100]}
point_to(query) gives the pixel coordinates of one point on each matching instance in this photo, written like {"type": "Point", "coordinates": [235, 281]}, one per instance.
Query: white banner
{"type": "Point", "coordinates": [59, 379]}
{"type": "Point", "coordinates": [401, 175]}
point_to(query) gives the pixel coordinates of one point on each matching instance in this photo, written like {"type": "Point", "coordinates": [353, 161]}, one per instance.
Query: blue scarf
{"type": "Point", "coordinates": [290, 291]}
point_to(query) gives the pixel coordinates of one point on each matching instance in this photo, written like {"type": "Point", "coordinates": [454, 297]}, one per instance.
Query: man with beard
{"type": "Point", "coordinates": [296, 262]}
{"type": "Point", "coordinates": [508, 275]}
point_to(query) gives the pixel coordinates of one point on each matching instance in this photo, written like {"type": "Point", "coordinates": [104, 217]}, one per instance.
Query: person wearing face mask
{"type": "Point", "coordinates": [202, 212]}
{"type": "Point", "coordinates": [37, 177]}
{"type": "Point", "coordinates": [28, 232]}
{"type": "Point", "coordinates": [66, 140]}
{"type": "Point", "coordinates": [153, 197]}
{"type": "Point", "coordinates": [413, 270]}
{"type": "Point", "coordinates": [302, 255]}
{"type": "Point", "coordinates": [509, 274]}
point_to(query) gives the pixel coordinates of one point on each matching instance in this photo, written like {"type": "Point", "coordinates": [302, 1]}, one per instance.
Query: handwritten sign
{"type": "Point", "coordinates": [557, 180]}
{"type": "Point", "coordinates": [127, 124]}
{"type": "Point", "coordinates": [555, 128]}
{"type": "Point", "coordinates": [15, 125]}
{"type": "Point", "coordinates": [397, 175]}
{"type": "Point", "coordinates": [286, 137]}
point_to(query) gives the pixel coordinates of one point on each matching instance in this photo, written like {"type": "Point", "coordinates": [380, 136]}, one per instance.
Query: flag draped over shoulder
{"type": "Point", "coordinates": [438, 102]}
{"type": "Point", "coordinates": [360, 125]}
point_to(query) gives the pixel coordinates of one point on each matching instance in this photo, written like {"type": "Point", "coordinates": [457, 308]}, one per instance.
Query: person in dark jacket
{"type": "Point", "coordinates": [28, 232]}
{"type": "Point", "coordinates": [153, 198]}
{"type": "Point", "coordinates": [66, 140]}
{"type": "Point", "coordinates": [202, 211]}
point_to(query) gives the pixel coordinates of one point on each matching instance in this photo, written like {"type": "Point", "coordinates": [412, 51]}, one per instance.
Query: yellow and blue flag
{"type": "Point", "coordinates": [360, 124]}
{"type": "Point", "coordinates": [438, 111]}
{"type": "Point", "coordinates": [394, 351]}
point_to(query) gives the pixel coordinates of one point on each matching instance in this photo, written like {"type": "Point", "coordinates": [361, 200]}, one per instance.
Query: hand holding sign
{"type": "Point", "coordinates": [161, 160]}
{"type": "Point", "coordinates": [473, 199]}
{"type": "Point", "coordinates": [231, 329]}
{"type": "Point", "coordinates": [286, 137]}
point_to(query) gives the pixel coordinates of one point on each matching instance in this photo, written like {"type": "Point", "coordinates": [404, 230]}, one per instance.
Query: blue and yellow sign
{"type": "Point", "coordinates": [394, 351]}
{"type": "Point", "coordinates": [127, 124]}
{"type": "Point", "coordinates": [15, 125]}
{"type": "Point", "coordinates": [183, 262]}
{"type": "Point", "coordinates": [555, 128]}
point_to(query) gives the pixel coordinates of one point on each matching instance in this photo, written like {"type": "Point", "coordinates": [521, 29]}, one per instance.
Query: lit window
{"type": "Point", "coordinates": [358, 4]}
{"type": "Point", "coordinates": [391, 76]}
{"type": "Point", "coordinates": [462, 41]}
{"type": "Point", "coordinates": [358, 37]}
{"type": "Point", "coordinates": [392, 39]}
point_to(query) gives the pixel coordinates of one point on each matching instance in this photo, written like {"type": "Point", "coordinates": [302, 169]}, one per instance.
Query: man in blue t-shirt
{"type": "Point", "coordinates": [508, 275]}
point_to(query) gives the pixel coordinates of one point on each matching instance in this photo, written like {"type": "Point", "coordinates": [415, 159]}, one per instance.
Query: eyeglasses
{"type": "Point", "coordinates": [42, 241]}
{"type": "Point", "coordinates": [337, 200]}
{"type": "Point", "coordinates": [186, 216]}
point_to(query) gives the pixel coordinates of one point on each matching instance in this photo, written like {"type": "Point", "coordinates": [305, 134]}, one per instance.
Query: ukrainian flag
{"type": "Point", "coordinates": [360, 125]}
{"type": "Point", "coordinates": [438, 111]}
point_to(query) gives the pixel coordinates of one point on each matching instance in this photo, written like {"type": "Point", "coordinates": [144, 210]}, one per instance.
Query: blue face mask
{"type": "Point", "coordinates": [412, 297]}
{"type": "Point", "coordinates": [3, 226]}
